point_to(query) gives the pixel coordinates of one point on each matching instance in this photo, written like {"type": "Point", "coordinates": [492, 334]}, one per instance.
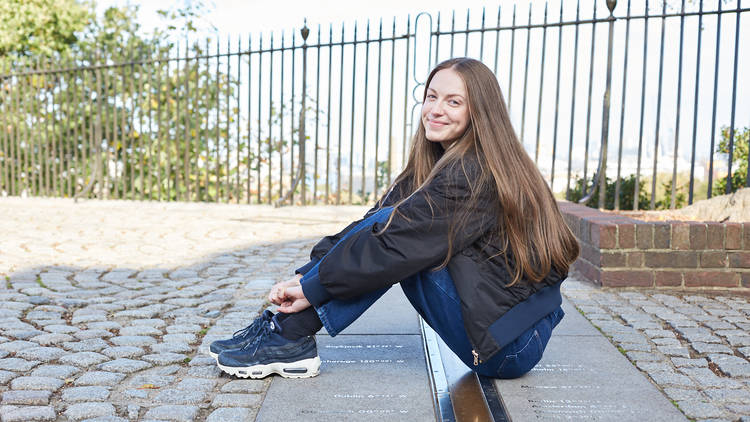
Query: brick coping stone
{"type": "Point", "coordinates": [619, 251]}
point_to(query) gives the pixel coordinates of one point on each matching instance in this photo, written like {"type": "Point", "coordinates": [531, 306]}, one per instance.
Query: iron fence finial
{"type": "Point", "coordinates": [305, 31]}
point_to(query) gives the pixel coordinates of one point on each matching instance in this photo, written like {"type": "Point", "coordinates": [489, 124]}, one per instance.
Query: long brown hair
{"type": "Point", "coordinates": [530, 225]}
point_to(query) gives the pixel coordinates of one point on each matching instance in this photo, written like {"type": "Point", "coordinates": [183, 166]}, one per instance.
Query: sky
{"type": "Point", "coordinates": [235, 18]}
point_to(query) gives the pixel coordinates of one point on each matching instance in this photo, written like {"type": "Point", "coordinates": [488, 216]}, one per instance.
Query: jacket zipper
{"type": "Point", "coordinates": [477, 361]}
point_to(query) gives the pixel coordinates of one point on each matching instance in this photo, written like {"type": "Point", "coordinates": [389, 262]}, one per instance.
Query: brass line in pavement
{"type": "Point", "coordinates": [459, 394]}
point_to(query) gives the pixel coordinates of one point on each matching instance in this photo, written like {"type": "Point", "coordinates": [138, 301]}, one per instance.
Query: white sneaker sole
{"type": "Point", "coordinates": [305, 368]}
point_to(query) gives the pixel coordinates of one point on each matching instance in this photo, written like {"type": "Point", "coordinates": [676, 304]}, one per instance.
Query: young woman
{"type": "Point", "coordinates": [469, 229]}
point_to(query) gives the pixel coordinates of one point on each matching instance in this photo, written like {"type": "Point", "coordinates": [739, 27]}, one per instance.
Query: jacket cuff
{"type": "Point", "coordinates": [314, 291]}
{"type": "Point", "coordinates": [306, 268]}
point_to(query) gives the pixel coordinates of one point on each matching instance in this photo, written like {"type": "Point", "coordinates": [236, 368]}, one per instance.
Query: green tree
{"type": "Point", "coordinates": [128, 122]}
{"type": "Point", "coordinates": [627, 189]}
{"type": "Point", "coordinates": [41, 27]}
{"type": "Point", "coordinates": [739, 159]}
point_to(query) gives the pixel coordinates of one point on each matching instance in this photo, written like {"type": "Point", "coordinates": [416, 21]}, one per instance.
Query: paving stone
{"type": "Point", "coordinates": [745, 351]}
{"type": "Point", "coordinates": [123, 352]}
{"type": "Point", "coordinates": [123, 365]}
{"type": "Point", "coordinates": [237, 414]}
{"type": "Point", "coordinates": [706, 378]}
{"type": "Point", "coordinates": [204, 371]}
{"type": "Point", "coordinates": [669, 377]}
{"type": "Point", "coordinates": [89, 345]}
{"type": "Point", "coordinates": [173, 413]}
{"type": "Point", "coordinates": [638, 347]}
{"type": "Point", "coordinates": [164, 358]}
{"type": "Point", "coordinates": [679, 394]}
{"type": "Point", "coordinates": [17, 346]}
{"type": "Point", "coordinates": [236, 400]}
{"type": "Point", "coordinates": [705, 348]}
{"type": "Point", "coordinates": [158, 381]}
{"type": "Point", "coordinates": [696, 409]}
{"type": "Point", "coordinates": [201, 360]}
{"type": "Point", "coordinates": [679, 351]}
{"type": "Point", "coordinates": [667, 342]}
{"type": "Point", "coordinates": [682, 362]}
{"type": "Point", "coordinates": [17, 364]}
{"type": "Point", "coordinates": [36, 383]}
{"type": "Point", "coordinates": [90, 334]}
{"type": "Point", "coordinates": [728, 395]}
{"type": "Point", "coordinates": [23, 335]}
{"type": "Point", "coordinates": [81, 411]}
{"type": "Point", "coordinates": [104, 325]}
{"type": "Point", "coordinates": [179, 338]}
{"type": "Point", "coordinates": [55, 371]}
{"type": "Point", "coordinates": [51, 339]}
{"type": "Point", "coordinates": [731, 365]}
{"type": "Point", "coordinates": [85, 394]}
{"type": "Point", "coordinates": [106, 419]}
{"type": "Point", "coordinates": [26, 397]}
{"type": "Point", "coordinates": [173, 396]}
{"type": "Point", "coordinates": [102, 378]}
{"type": "Point", "coordinates": [140, 330]}
{"type": "Point", "coordinates": [44, 354]}
{"type": "Point", "coordinates": [244, 386]}
{"type": "Point", "coordinates": [28, 414]}
{"type": "Point", "coordinates": [84, 359]}
{"type": "Point", "coordinates": [196, 384]}
{"type": "Point", "coordinates": [163, 370]}
{"type": "Point", "coordinates": [185, 328]}
{"type": "Point", "coordinates": [6, 376]}
{"type": "Point", "coordinates": [644, 356]}
{"type": "Point", "coordinates": [133, 340]}
{"type": "Point", "coordinates": [171, 348]}
{"type": "Point", "coordinates": [61, 329]}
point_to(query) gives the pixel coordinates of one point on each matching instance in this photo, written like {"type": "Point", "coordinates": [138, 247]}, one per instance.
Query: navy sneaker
{"type": "Point", "coordinates": [240, 338]}
{"type": "Point", "coordinates": [270, 352]}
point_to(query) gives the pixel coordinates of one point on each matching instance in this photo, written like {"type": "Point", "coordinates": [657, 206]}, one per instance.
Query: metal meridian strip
{"type": "Point", "coordinates": [459, 394]}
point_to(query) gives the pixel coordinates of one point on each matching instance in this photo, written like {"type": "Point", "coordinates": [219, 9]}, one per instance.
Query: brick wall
{"type": "Point", "coordinates": [618, 251]}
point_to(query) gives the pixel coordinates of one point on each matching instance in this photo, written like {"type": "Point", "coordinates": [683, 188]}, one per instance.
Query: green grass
{"type": "Point", "coordinates": [186, 361]}
{"type": "Point", "coordinates": [7, 282]}
{"type": "Point", "coordinates": [203, 332]}
{"type": "Point", "coordinates": [40, 282]}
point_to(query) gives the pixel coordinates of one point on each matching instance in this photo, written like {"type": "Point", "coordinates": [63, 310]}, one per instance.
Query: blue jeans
{"type": "Point", "coordinates": [434, 296]}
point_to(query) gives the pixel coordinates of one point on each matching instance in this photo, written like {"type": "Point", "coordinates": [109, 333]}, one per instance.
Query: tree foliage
{"type": "Point", "coordinates": [41, 27]}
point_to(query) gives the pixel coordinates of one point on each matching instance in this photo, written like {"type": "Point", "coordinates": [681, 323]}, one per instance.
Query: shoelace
{"type": "Point", "coordinates": [263, 333]}
{"type": "Point", "coordinates": [250, 330]}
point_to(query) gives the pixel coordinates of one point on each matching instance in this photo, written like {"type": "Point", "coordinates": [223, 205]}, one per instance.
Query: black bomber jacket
{"type": "Point", "coordinates": [494, 313]}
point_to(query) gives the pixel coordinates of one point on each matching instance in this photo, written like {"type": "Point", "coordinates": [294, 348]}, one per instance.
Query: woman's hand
{"type": "Point", "coordinates": [294, 300]}
{"type": "Point", "coordinates": [276, 295]}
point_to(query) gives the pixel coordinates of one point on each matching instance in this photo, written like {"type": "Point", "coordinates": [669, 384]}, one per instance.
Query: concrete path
{"type": "Point", "coordinates": [107, 307]}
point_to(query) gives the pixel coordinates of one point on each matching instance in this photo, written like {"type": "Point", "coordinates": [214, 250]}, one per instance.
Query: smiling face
{"type": "Point", "coordinates": [445, 111]}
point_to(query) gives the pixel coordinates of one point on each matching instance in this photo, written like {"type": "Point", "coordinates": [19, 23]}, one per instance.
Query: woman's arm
{"type": "Point", "coordinates": [416, 239]}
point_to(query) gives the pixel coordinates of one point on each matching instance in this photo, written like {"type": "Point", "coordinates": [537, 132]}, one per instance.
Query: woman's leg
{"type": "Point", "coordinates": [336, 315]}
{"type": "Point", "coordinates": [434, 296]}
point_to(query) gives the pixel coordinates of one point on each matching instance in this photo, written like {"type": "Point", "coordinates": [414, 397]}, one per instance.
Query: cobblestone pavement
{"type": "Point", "coordinates": [107, 307]}
{"type": "Point", "coordinates": [694, 346]}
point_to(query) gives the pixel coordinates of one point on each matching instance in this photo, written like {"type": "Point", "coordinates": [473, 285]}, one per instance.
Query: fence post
{"type": "Point", "coordinates": [611, 4]}
{"type": "Point", "coordinates": [305, 31]}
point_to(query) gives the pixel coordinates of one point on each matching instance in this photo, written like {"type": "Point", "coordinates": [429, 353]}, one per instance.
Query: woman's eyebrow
{"type": "Point", "coordinates": [447, 95]}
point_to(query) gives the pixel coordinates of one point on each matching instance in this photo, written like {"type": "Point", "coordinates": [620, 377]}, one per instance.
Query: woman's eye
{"type": "Point", "coordinates": [454, 102]}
